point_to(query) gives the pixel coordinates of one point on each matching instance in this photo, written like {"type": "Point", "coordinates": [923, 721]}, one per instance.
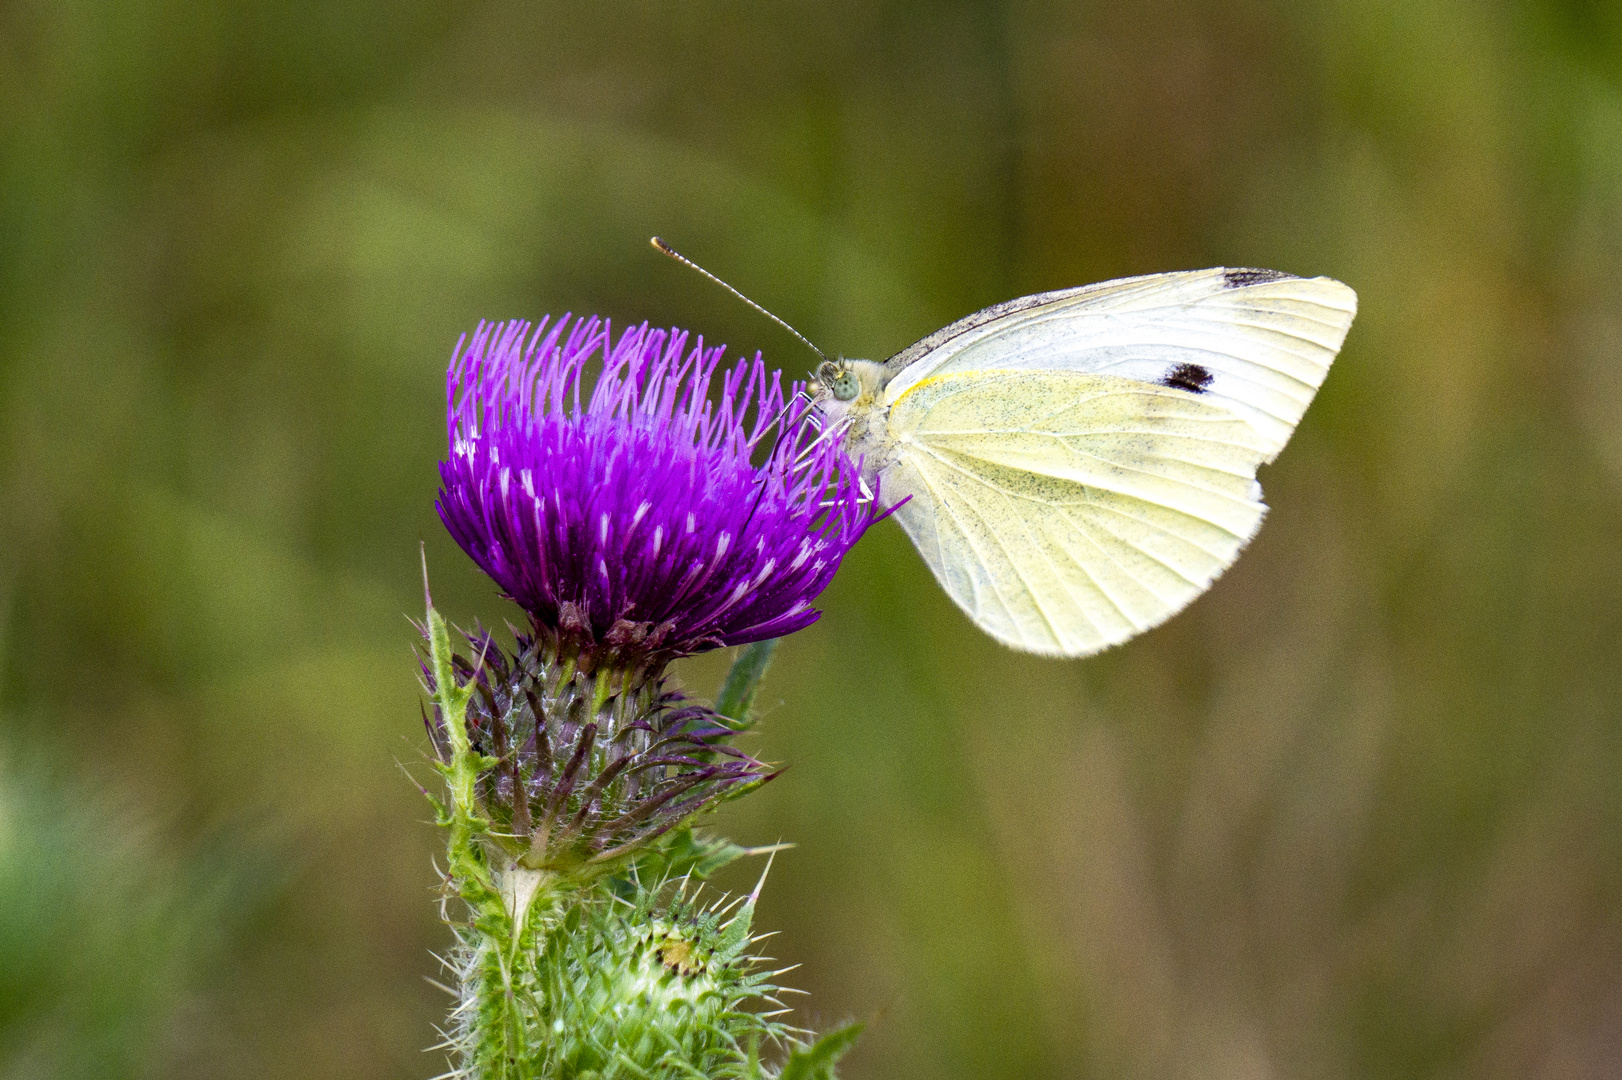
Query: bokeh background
{"type": "Point", "coordinates": [1357, 813]}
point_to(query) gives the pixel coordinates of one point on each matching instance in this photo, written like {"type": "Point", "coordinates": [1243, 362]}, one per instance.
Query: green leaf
{"type": "Point", "coordinates": [816, 1061]}
{"type": "Point", "coordinates": [735, 935]}
{"type": "Point", "coordinates": [711, 854]}
{"type": "Point", "coordinates": [743, 680]}
{"type": "Point", "coordinates": [685, 854]}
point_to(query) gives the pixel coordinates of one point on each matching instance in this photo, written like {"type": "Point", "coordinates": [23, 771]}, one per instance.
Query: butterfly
{"type": "Point", "coordinates": [1077, 466]}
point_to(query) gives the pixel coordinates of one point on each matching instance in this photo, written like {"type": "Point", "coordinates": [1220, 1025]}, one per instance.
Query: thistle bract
{"type": "Point", "coordinates": [569, 779]}
{"type": "Point", "coordinates": [669, 507]}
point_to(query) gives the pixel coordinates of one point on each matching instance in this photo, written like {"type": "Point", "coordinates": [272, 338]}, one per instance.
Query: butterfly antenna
{"type": "Point", "coordinates": [782, 429]}
{"type": "Point", "coordinates": [689, 263]}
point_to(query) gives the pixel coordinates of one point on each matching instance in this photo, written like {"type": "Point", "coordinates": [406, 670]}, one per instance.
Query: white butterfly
{"type": "Point", "coordinates": [1079, 465]}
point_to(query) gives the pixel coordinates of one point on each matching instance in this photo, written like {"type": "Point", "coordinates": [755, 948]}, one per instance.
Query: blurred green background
{"type": "Point", "coordinates": [1357, 813]}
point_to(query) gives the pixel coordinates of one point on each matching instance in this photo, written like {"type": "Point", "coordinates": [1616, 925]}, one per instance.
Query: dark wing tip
{"type": "Point", "coordinates": [1239, 277]}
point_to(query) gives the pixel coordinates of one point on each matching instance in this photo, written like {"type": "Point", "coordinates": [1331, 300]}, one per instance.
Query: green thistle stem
{"type": "Point", "coordinates": [491, 1014]}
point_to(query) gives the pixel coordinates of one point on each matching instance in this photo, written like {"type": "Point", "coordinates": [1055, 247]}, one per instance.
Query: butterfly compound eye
{"type": "Point", "coordinates": [844, 385]}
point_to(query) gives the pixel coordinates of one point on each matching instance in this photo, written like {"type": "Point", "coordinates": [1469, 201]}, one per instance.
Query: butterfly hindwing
{"type": "Point", "coordinates": [1068, 511]}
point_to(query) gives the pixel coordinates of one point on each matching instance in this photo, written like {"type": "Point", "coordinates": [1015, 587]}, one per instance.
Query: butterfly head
{"type": "Point", "coordinates": [849, 397]}
{"type": "Point", "coordinates": [841, 385]}
{"type": "Point", "coordinates": [840, 380]}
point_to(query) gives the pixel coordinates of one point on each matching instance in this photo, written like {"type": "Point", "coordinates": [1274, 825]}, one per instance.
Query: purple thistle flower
{"type": "Point", "coordinates": [642, 520]}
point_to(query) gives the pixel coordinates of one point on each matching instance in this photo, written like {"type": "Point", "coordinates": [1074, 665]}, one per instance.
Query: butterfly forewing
{"type": "Point", "coordinates": [1067, 511]}
{"type": "Point", "coordinates": [1256, 342]}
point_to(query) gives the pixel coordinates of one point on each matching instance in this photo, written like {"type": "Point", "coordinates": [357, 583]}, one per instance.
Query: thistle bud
{"type": "Point", "coordinates": [651, 988]}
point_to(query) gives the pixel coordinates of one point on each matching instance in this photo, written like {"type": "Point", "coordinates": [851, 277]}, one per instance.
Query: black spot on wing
{"type": "Point", "coordinates": [1190, 377]}
{"type": "Point", "coordinates": [1242, 276]}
